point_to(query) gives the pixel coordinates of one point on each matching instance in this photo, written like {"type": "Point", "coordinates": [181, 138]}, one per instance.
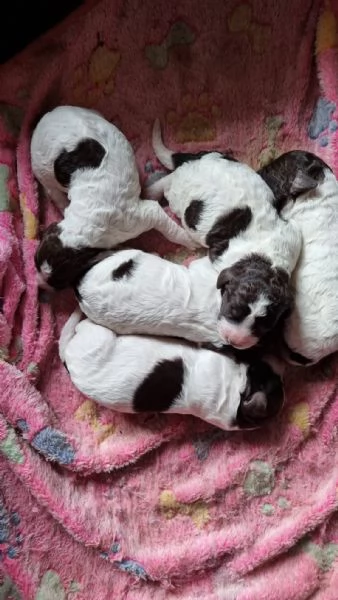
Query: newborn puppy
{"type": "Point", "coordinates": [140, 374]}
{"type": "Point", "coordinates": [135, 292]}
{"type": "Point", "coordinates": [225, 207]}
{"type": "Point", "coordinates": [88, 168]}
{"type": "Point", "coordinates": [211, 193]}
{"type": "Point", "coordinates": [306, 193]}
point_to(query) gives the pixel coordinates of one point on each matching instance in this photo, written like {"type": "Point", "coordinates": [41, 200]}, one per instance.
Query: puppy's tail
{"type": "Point", "coordinates": [68, 332]}
{"type": "Point", "coordinates": [164, 155]}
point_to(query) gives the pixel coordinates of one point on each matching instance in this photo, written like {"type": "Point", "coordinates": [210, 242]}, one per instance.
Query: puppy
{"type": "Point", "coordinates": [140, 374]}
{"type": "Point", "coordinates": [88, 168]}
{"type": "Point", "coordinates": [228, 208]}
{"type": "Point", "coordinates": [306, 193]}
{"type": "Point", "coordinates": [134, 292]}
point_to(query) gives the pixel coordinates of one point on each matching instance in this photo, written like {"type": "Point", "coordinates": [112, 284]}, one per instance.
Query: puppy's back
{"type": "Point", "coordinates": [61, 130]}
{"type": "Point", "coordinates": [312, 329]}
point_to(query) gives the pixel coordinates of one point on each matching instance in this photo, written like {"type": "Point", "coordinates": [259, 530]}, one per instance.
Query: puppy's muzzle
{"type": "Point", "coordinates": [235, 335]}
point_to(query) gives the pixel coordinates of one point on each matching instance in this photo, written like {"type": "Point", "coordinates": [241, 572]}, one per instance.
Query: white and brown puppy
{"type": "Point", "coordinates": [88, 168]}
{"type": "Point", "coordinates": [228, 208]}
{"type": "Point", "coordinates": [135, 292]}
{"type": "Point", "coordinates": [144, 374]}
{"type": "Point", "coordinates": [306, 193]}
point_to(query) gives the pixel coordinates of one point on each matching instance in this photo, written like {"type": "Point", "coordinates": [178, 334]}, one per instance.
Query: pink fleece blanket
{"type": "Point", "coordinates": [96, 505]}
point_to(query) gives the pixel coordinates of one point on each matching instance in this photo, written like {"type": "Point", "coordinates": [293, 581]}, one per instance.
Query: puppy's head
{"type": "Point", "coordinates": [60, 266]}
{"type": "Point", "coordinates": [293, 173]}
{"type": "Point", "coordinates": [262, 398]}
{"type": "Point", "coordinates": [255, 296]}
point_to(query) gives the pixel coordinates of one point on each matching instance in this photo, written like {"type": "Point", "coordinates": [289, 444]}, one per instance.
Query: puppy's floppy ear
{"type": "Point", "coordinates": [303, 182]}
{"type": "Point", "coordinates": [223, 278]}
{"type": "Point", "coordinates": [90, 261]}
{"type": "Point", "coordinates": [99, 257]}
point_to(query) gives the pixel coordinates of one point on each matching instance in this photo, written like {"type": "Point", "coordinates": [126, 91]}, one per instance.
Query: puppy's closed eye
{"type": "Point", "coordinates": [238, 312]}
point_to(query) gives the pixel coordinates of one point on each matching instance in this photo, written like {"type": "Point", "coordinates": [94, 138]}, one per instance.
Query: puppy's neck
{"type": "Point", "coordinates": [220, 383]}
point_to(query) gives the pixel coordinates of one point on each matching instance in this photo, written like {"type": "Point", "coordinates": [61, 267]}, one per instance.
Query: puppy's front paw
{"type": "Point", "coordinates": [191, 245]}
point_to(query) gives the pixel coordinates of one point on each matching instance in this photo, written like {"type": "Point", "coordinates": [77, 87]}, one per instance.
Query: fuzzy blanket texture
{"type": "Point", "coordinates": [96, 505]}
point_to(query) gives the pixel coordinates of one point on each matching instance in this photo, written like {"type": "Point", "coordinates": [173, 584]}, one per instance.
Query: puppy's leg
{"type": "Point", "coordinates": [152, 216]}
{"type": "Point", "coordinates": [157, 190]}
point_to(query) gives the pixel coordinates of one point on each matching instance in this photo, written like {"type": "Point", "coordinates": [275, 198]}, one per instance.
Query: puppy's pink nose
{"type": "Point", "coordinates": [235, 336]}
{"type": "Point", "coordinates": [242, 344]}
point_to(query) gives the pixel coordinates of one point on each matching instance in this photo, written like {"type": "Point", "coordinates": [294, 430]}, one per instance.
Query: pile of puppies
{"type": "Point", "coordinates": [159, 336]}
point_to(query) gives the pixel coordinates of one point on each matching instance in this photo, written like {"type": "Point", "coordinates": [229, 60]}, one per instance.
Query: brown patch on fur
{"type": "Point", "coordinates": [68, 265]}
{"type": "Point", "coordinates": [225, 228]}
{"type": "Point", "coordinates": [292, 174]}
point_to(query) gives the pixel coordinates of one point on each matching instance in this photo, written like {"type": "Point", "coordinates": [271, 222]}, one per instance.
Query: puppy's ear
{"type": "Point", "coordinates": [303, 182]}
{"type": "Point", "coordinates": [223, 278]}
{"type": "Point", "coordinates": [99, 257]}
{"type": "Point", "coordinates": [88, 261]}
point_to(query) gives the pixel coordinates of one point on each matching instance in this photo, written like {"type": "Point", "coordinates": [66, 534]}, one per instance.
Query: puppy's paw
{"type": "Point", "coordinates": [184, 239]}
{"type": "Point", "coordinates": [190, 243]}
{"type": "Point", "coordinates": [153, 191]}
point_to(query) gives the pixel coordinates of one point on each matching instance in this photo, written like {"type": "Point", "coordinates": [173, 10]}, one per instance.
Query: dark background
{"type": "Point", "coordinates": [23, 21]}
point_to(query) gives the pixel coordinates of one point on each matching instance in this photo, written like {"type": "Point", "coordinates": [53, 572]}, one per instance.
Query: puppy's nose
{"type": "Point", "coordinates": [243, 345]}
{"type": "Point", "coordinates": [255, 407]}
{"type": "Point", "coordinates": [261, 406]}
{"type": "Point", "coordinates": [237, 337]}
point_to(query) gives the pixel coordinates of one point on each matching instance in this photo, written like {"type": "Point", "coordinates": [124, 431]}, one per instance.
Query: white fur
{"type": "Point", "coordinates": [68, 331]}
{"type": "Point", "coordinates": [312, 329]}
{"type": "Point", "coordinates": [110, 368]}
{"type": "Point", "coordinates": [162, 152]}
{"type": "Point", "coordinates": [224, 185]}
{"type": "Point", "coordinates": [102, 206]}
{"type": "Point", "coordinates": [159, 297]}
{"type": "Point", "coordinates": [267, 235]}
